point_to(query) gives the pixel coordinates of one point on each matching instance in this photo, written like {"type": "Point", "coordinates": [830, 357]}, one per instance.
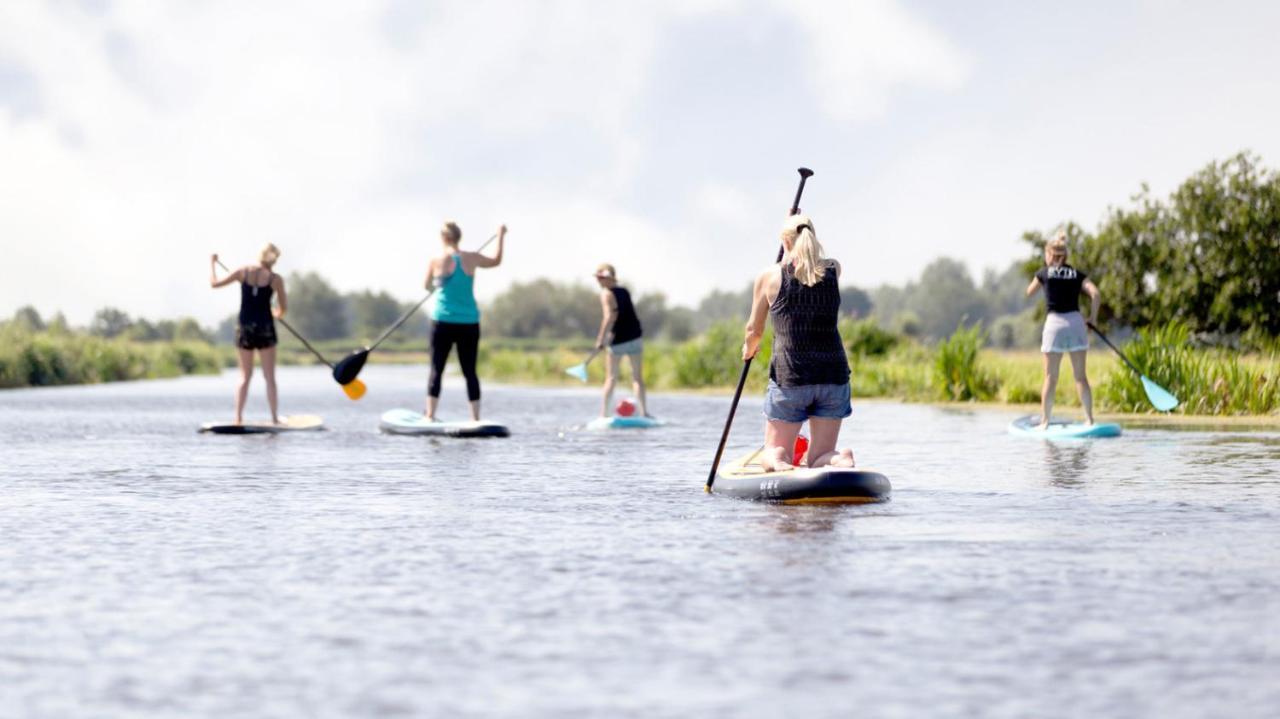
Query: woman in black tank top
{"type": "Point", "coordinates": [257, 327]}
{"type": "Point", "coordinates": [620, 334]}
{"type": "Point", "coordinates": [809, 372]}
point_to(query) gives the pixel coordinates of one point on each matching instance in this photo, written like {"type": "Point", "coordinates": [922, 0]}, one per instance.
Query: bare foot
{"type": "Point", "coordinates": [772, 461]}
{"type": "Point", "coordinates": [843, 459]}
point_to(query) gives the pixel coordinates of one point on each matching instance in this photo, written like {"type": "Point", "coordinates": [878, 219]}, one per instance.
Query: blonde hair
{"type": "Point", "coordinates": [270, 253]}
{"type": "Point", "coordinates": [806, 252]}
{"type": "Point", "coordinates": [452, 231]}
{"type": "Point", "coordinates": [1058, 245]}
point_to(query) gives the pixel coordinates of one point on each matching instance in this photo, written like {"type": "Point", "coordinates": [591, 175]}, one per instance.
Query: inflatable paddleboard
{"type": "Point", "coordinates": [746, 479]}
{"type": "Point", "coordinates": [617, 422]}
{"type": "Point", "coordinates": [1029, 426]}
{"type": "Point", "coordinates": [296, 423]}
{"type": "Point", "coordinates": [405, 421]}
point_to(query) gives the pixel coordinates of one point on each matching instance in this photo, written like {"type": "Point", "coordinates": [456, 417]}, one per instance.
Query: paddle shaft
{"type": "Point", "coordinates": [805, 174]}
{"type": "Point", "coordinates": [292, 331]}
{"type": "Point", "coordinates": [1114, 348]}
{"type": "Point", "coordinates": [405, 317]}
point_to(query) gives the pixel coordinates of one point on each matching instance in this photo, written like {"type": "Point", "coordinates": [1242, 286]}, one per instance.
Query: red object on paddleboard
{"type": "Point", "coordinates": [625, 408]}
{"type": "Point", "coordinates": [802, 446]}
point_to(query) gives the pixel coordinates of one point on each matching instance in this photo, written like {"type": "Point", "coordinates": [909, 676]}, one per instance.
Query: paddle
{"type": "Point", "coordinates": [348, 368]}
{"type": "Point", "coordinates": [1159, 397]}
{"type": "Point", "coordinates": [354, 389]}
{"type": "Point", "coordinates": [579, 371]}
{"type": "Point", "coordinates": [805, 174]}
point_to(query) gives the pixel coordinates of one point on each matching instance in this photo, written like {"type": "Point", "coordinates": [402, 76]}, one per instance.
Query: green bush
{"type": "Point", "coordinates": [37, 359]}
{"type": "Point", "coordinates": [866, 338]}
{"type": "Point", "coordinates": [956, 374]}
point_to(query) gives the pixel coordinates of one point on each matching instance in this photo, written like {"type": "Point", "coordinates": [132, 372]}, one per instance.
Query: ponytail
{"type": "Point", "coordinates": [806, 252]}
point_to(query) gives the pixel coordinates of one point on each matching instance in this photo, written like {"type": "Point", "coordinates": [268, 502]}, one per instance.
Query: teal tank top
{"type": "Point", "coordinates": [456, 298]}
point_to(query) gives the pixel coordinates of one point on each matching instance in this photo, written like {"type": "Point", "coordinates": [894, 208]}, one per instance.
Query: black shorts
{"type": "Point", "coordinates": [256, 337]}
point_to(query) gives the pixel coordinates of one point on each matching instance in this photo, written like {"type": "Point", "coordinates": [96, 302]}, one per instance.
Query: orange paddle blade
{"type": "Point", "coordinates": [354, 389]}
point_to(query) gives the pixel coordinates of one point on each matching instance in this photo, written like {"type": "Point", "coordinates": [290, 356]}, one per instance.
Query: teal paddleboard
{"type": "Point", "coordinates": [406, 421]}
{"type": "Point", "coordinates": [625, 423]}
{"type": "Point", "coordinates": [1029, 426]}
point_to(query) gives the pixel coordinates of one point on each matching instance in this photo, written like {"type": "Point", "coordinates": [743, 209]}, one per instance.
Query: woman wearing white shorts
{"type": "Point", "coordinates": [1064, 328]}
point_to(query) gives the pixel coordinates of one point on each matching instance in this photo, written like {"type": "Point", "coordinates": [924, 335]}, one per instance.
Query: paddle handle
{"type": "Point", "coordinates": [728, 423]}
{"type": "Point", "coordinates": [405, 317]}
{"type": "Point", "coordinates": [292, 331]}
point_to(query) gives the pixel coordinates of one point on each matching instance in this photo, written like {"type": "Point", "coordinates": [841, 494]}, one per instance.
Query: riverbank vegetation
{"type": "Point", "coordinates": [1190, 284]}
{"type": "Point", "coordinates": [58, 356]}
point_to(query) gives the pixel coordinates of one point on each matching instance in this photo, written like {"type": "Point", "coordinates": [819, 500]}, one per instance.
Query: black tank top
{"type": "Point", "coordinates": [627, 326]}
{"type": "Point", "coordinates": [806, 342]}
{"type": "Point", "coordinates": [255, 301]}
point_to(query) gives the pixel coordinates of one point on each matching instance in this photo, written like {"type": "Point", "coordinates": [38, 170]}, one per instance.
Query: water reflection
{"type": "Point", "coordinates": [1068, 464]}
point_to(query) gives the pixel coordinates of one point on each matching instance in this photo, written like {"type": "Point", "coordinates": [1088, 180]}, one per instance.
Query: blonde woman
{"type": "Point", "coordinates": [1064, 328]}
{"type": "Point", "coordinates": [809, 373]}
{"type": "Point", "coordinates": [257, 329]}
{"type": "Point", "coordinates": [620, 333]}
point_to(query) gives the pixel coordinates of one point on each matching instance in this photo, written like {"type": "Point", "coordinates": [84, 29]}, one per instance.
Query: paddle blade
{"type": "Point", "coordinates": [349, 367]}
{"type": "Point", "coordinates": [354, 389]}
{"type": "Point", "coordinates": [578, 371]}
{"type": "Point", "coordinates": [1160, 398]}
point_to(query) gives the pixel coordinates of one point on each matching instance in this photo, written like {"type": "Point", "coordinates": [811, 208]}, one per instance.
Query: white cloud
{"type": "Point", "coordinates": [863, 52]}
{"type": "Point", "coordinates": [345, 131]}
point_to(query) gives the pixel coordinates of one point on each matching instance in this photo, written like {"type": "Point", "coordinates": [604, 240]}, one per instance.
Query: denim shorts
{"type": "Point", "coordinates": [630, 347]}
{"type": "Point", "coordinates": [796, 404]}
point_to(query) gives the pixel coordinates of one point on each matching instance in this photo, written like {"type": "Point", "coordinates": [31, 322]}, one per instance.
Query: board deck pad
{"type": "Point", "coordinates": [293, 423]}
{"type": "Point", "coordinates": [617, 422]}
{"type": "Point", "coordinates": [1029, 426]}
{"type": "Point", "coordinates": [408, 422]}
{"type": "Point", "coordinates": [746, 479]}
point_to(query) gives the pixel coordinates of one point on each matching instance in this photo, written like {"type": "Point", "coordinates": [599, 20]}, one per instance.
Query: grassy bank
{"type": "Point", "coordinates": [36, 359]}
{"type": "Point", "coordinates": [1210, 382]}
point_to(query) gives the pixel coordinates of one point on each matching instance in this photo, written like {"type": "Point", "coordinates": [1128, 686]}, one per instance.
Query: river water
{"type": "Point", "coordinates": [147, 570]}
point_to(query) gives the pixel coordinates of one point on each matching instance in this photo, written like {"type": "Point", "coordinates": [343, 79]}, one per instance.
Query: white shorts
{"type": "Point", "coordinates": [630, 347]}
{"type": "Point", "coordinates": [1064, 333]}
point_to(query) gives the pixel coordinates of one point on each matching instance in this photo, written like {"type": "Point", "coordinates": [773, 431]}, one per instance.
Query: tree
{"type": "Point", "coordinates": [721, 305]}
{"type": "Point", "coordinates": [545, 309]}
{"type": "Point", "coordinates": [109, 322]}
{"type": "Point", "coordinates": [944, 297]}
{"type": "Point", "coordinates": [188, 329]}
{"type": "Point", "coordinates": [315, 308]}
{"type": "Point", "coordinates": [1208, 257]}
{"type": "Point", "coordinates": [372, 313]}
{"type": "Point", "coordinates": [28, 319]}
{"type": "Point", "coordinates": [855, 302]}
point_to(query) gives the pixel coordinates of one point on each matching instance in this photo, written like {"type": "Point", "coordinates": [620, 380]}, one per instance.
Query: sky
{"type": "Point", "coordinates": [137, 138]}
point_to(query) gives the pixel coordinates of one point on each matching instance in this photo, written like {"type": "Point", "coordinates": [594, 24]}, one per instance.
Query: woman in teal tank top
{"type": "Point", "coordinates": [455, 313]}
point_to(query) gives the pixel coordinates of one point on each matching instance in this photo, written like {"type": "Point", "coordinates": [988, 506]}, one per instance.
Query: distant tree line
{"type": "Point", "coordinates": [1207, 257]}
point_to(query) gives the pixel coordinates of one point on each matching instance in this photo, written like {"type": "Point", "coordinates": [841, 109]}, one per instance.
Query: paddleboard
{"type": "Point", "coordinates": [616, 422]}
{"type": "Point", "coordinates": [405, 421]}
{"type": "Point", "coordinates": [1029, 426]}
{"type": "Point", "coordinates": [746, 479]}
{"type": "Point", "coordinates": [296, 423]}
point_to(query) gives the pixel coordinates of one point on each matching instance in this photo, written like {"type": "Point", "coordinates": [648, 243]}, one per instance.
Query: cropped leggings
{"type": "Point", "coordinates": [444, 335]}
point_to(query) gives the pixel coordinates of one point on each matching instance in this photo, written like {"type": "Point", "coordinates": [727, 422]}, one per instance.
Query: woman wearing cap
{"type": "Point", "coordinates": [455, 315]}
{"type": "Point", "coordinates": [809, 373]}
{"type": "Point", "coordinates": [620, 333]}
{"type": "Point", "coordinates": [1064, 328]}
{"type": "Point", "coordinates": [256, 331]}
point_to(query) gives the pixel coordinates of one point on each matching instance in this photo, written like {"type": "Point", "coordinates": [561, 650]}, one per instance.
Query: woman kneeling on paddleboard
{"type": "Point", "coordinates": [257, 328]}
{"type": "Point", "coordinates": [455, 315]}
{"type": "Point", "coordinates": [621, 335]}
{"type": "Point", "coordinates": [809, 373]}
{"type": "Point", "coordinates": [1064, 329]}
